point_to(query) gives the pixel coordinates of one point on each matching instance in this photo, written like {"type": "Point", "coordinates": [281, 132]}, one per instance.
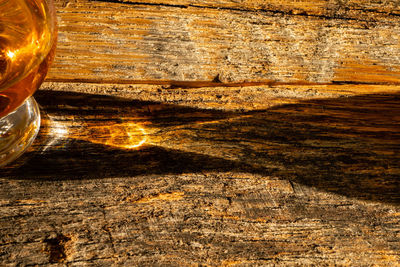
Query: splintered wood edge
{"type": "Point", "coordinates": [350, 9]}
{"type": "Point", "coordinates": [221, 97]}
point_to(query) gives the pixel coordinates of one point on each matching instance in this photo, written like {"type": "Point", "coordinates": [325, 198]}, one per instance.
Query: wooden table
{"type": "Point", "coordinates": [213, 133]}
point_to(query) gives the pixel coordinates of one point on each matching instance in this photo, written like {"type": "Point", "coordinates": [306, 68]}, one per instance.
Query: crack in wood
{"type": "Point", "coordinates": [173, 84]}
{"type": "Point", "coordinates": [249, 10]}
{"type": "Point", "coordinates": [107, 229]}
{"type": "Point", "coordinates": [140, 3]}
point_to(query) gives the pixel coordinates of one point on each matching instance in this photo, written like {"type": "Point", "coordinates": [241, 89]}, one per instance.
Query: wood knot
{"type": "Point", "coordinates": [56, 248]}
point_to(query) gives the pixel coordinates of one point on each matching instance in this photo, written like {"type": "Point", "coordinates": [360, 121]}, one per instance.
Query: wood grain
{"type": "Point", "coordinates": [313, 180]}
{"type": "Point", "coordinates": [219, 133]}
{"type": "Point", "coordinates": [222, 97]}
{"type": "Point", "coordinates": [216, 222]}
{"type": "Point", "coordinates": [107, 41]}
{"type": "Point", "coordinates": [346, 10]}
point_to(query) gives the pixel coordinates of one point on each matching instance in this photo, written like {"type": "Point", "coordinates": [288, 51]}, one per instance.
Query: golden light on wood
{"type": "Point", "coordinates": [127, 135]}
{"type": "Point", "coordinates": [215, 133]}
{"type": "Point", "coordinates": [124, 135]}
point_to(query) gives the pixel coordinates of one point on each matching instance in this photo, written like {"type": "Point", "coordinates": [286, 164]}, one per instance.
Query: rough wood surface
{"type": "Point", "coordinates": [314, 181]}
{"type": "Point", "coordinates": [220, 133]}
{"type": "Point", "coordinates": [133, 41]}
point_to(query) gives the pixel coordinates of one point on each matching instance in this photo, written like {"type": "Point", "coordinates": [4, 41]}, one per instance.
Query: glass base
{"type": "Point", "coordinates": [18, 130]}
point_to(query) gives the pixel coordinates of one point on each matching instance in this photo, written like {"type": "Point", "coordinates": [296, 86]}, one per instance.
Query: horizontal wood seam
{"type": "Point", "coordinates": [262, 10]}
{"type": "Point", "coordinates": [171, 84]}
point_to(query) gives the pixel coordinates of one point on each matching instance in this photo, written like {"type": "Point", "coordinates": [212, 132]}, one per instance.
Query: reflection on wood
{"type": "Point", "coordinates": [342, 145]}
{"type": "Point", "coordinates": [267, 134]}
{"type": "Point", "coordinates": [123, 135]}
{"type": "Point", "coordinates": [239, 181]}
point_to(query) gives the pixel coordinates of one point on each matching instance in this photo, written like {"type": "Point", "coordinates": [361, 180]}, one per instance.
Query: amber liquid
{"type": "Point", "coordinates": [27, 44]}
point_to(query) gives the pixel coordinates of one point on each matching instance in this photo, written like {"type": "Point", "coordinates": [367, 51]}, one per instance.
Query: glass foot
{"type": "Point", "coordinates": [18, 130]}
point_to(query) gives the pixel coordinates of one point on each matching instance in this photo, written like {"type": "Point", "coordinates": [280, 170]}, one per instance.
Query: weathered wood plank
{"type": "Point", "coordinates": [188, 219]}
{"type": "Point", "coordinates": [312, 180]}
{"type": "Point", "coordinates": [222, 97]}
{"type": "Point", "coordinates": [350, 9]}
{"type": "Point", "coordinates": [115, 42]}
{"type": "Point", "coordinates": [353, 140]}
{"type": "Point", "coordinates": [301, 167]}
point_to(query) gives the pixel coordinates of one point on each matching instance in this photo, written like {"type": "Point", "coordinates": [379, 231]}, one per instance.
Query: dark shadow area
{"type": "Point", "coordinates": [349, 146]}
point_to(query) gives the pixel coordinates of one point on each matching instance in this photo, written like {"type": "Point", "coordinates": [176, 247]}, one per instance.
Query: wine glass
{"type": "Point", "coordinates": [28, 33]}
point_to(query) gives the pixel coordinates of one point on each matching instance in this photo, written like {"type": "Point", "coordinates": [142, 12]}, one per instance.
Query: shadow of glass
{"type": "Point", "coordinates": [349, 146]}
